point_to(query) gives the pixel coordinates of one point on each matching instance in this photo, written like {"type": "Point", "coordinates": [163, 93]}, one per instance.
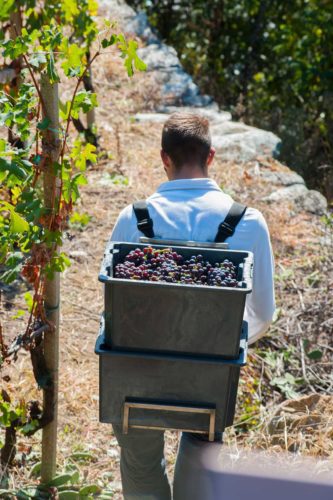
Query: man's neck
{"type": "Point", "coordinates": [189, 173]}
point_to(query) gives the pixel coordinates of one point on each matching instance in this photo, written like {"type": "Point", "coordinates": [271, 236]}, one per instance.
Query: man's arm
{"type": "Point", "coordinates": [260, 304]}
{"type": "Point", "coordinates": [125, 227]}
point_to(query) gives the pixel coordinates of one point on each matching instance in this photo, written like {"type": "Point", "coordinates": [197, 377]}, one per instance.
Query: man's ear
{"type": "Point", "coordinates": [166, 159]}
{"type": "Point", "coordinates": [168, 165]}
{"type": "Point", "coordinates": [211, 155]}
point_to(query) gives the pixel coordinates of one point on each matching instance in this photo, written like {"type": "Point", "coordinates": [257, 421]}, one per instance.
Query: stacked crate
{"type": "Point", "coordinates": [170, 353]}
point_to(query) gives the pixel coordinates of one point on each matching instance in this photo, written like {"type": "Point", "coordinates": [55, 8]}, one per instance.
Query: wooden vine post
{"type": "Point", "coordinates": [88, 85]}
{"type": "Point", "coordinates": [15, 30]}
{"type": "Point", "coordinates": [51, 181]}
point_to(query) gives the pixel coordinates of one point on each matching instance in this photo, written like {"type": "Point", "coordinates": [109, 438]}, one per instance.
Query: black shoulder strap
{"type": "Point", "coordinates": [145, 223]}
{"type": "Point", "coordinates": [228, 226]}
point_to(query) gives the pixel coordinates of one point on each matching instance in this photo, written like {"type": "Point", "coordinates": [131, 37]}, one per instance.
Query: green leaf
{"type": "Point", "coordinates": [13, 168]}
{"type": "Point", "coordinates": [85, 101]}
{"type": "Point", "coordinates": [13, 265]}
{"type": "Point", "coordinates": [78, 220]}
{"type": "Point", "coordinates": [37, 59]}
{"type": "Point", "coordinates": [106, 42]}
{"type": "Point", "coordinates": [60, 480]}
{"type": "Point", "coordinates": [128, 52]}
{"type": "Point", "coordinates": [315, 354]}
{"type": "Point", "coordinates": [29, 300]}
{"type": "Point", "coordinates": [91, 489]}
{"type": "Point", "coordinates": [51, 68]}
{"type": "Point", "coordinates": [22, 495]}
{"type": "Point", "coordinates": [58, 263]}
{"type": "Point", "coordinates": [42, 125]}
{"type": "Point", "coordinates": [70, 9]}
{"type": "Point", "coordinates": [82, 456]}
{"type": "Point", "coordinates": [19, 314]}
{"type": "Point", "coordinates": [35, 470]}
{"type": "Point", "coordinates": [119, 180]}
{"type": "Point", "coordinates": [82, 153]}
{"type": "Point", "coordinates": [64, 109]}
{"type": "Point", "coordinates": [306, 343]}
{"type": "Point", "coordinates": [30, 427]}
{"type": "Point", "coordinates": [285, 384]}
{"type": "Point", "coordinates": [68, 495]}
{"type": "Point", "coordinates": [79, 180]}
{"type": "Point", "coordinates": [75, 477]}
{"type": "Point", "coordinates": [6, 6]}
{"type": "Point", "coordinates": [17, 223]}
{"type": "Point", "coordinates": [73, 61]}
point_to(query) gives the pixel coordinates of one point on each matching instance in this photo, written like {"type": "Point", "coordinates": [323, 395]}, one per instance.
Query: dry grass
{"type": "Point", "coordinates": [135, 155]}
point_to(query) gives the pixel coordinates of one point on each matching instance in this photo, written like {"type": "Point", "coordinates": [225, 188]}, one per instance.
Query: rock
{"type": "Point", "coordinates": [284, 178]}
{"type": "Point", "coordinates": [239, 142]}
{"type": "Point", "coordinates": [315, 203]}
{"type": "Point", "coordinates": [209, 109]}
{"type": "Point", "coordinates": [141, 27]}
{"type": "Point", "coordinates": [176, 85]}
{"type": "Point", "coordinates": [303, 198]}
{"type": "Point", "coordinates": [159, 56]}
{"type": "Point", "coordinates": [294, 413]}
{"type": "Point", "coordinates": [151, 117]}
{"type": "Point", "coordinates": [78, 255]}
{"type": "Point", "coordinates": [212, 115]}
{"type": "Point", "coordinates": [117, 9]}
{"type": "Point", "coordinates": [289, 193]}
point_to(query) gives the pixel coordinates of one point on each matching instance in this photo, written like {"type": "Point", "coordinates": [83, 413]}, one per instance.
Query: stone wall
{"type": "Point", "coordinates": [233, 141]}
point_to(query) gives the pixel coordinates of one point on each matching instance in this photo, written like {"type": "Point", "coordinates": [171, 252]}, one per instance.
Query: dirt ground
{"type": "Point", "coordinates": [131, 171]}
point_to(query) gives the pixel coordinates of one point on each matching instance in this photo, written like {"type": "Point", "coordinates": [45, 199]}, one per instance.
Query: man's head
{"type": "Point", "coordinates": [186, 146]}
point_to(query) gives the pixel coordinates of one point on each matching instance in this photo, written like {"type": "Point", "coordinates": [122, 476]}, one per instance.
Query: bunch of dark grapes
{"type": "Point", "coordinates": [150, 264]}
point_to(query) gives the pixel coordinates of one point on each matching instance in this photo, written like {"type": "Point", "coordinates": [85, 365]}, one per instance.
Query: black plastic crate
{"type": "Point", "coordinates": [171, 317]}
{"type": "Point", "coordinates": [196, 394]}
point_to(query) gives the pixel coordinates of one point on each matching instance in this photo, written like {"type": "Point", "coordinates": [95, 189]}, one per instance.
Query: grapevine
{"type": "Point", "coordinates": [41, 171]}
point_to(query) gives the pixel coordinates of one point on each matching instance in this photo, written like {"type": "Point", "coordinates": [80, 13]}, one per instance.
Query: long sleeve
{"type": "Point", "coordinates": [125, 228]}
{"type": "Point", "coordinates": [260, 304]}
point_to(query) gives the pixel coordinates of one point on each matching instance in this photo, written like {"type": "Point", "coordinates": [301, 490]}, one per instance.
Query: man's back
{"type": "Point", "coordinates": [192, 209]}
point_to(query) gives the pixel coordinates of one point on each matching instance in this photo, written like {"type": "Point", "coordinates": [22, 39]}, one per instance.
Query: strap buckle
{"type": "Point", "coordinates": [226, 229]}
{"type": "Point", "coordinates": [145, 224]}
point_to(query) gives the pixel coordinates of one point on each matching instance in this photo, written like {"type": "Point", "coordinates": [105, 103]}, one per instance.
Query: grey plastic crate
{"type": "Point", "coordinates": [171, 317]}
{"type": "Point", "coordinates": [196, 394]}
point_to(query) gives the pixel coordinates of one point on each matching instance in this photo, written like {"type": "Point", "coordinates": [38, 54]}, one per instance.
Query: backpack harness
{"type": "Point", "coordinates": [225, 230]}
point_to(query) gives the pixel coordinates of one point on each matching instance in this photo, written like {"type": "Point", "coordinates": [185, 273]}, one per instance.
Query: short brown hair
{"type": "Point", "coordinates": [186, 139]}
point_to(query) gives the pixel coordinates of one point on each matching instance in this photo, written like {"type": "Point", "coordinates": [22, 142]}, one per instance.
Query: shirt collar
{"type": "Point", "coordinates": [180, 184]}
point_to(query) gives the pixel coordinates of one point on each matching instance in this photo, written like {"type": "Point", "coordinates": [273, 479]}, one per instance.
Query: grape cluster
{"type": "Point", "coordinates": [150, 264]}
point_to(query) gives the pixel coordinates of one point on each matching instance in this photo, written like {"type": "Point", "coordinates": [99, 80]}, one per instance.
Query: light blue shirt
{"type": "Point", "coordinates": [192, 209]}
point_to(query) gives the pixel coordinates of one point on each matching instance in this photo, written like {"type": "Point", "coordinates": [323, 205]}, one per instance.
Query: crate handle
{"type": "Point", "coordinates": [165, 407]}
{"type": "Point", "coordinates": [183, 243]}
{"type": "Point", "coordinates": [107, 262]}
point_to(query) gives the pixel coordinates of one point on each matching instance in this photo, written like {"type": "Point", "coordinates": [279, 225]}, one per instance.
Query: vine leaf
{"type": "Point", "coordinates": [128, 52]}
{"type": "Point", "coordinates": [51, 68]}
{"type": "Point", "coordinates": [5, 8]}
{"type": "Point", "coordinates": [13, 169]}
{"type": "Point", "coordinates": [17, 223]}
{"type": "Point", "coordinates": [42, 125]}
{"type": "Point", "coordinates": [107, 42]}
{"type": "Point", "coordinates": [72, 65]}
{"type": "Point", "coordinates": [37, 59]}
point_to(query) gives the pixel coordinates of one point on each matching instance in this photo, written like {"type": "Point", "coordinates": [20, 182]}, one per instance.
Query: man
{"type": "Point", "coordinates": [190, 206]}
